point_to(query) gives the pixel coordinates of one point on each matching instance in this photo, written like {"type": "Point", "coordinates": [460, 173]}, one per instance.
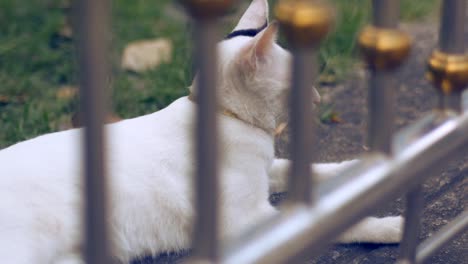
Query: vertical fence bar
{"type": "Point", "coordinates": [381, 84]}
{"type": "Point", "coordinates": [384, 48]}
{"type": "Point", "coordinates": [446, 234]}
{"type": "Point", "coordinates": [452, 26]}
{"type": "Point", "coordinates": [385, 13]}
{"type": "Point", "coordinates": [304, 71]}
{"type": "Point", "coordinates": [381, 123]}
{"type": "Point", "coordinates": [451, 38]}
{"type": "Point", "coordinates": [92, 45]}
{"type": "Point", "coordinates": [206, 228]}
{"type": "Point", "coordinates": [451, 52]}
{"type": "Point", "coordinates": [413, 212]}
{"type": "Point", "coordinates": [305, 24]}
{"type": "Point", "coordinates": [205, 237]}
{"type": "Point", "coordinates": [381, 114]}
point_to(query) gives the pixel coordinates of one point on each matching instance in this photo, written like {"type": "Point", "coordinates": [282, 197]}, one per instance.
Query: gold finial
{"type": "Point", "coordinates": [207, 9]}
{"type": "Point", "coordinates": [305, 22]}
{"type": "Point", "coordinates": [384, 48]}
{"type": "Point", "coordinates": [448, 72]}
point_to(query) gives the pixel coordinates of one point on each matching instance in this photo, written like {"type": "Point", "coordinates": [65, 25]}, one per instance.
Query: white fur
{"type": "Point", "coordinates": [150, 169]}
{"type": "Point", "coordinates": [255, 16]}
{"type": "Point", "coordinates": [280, 169]}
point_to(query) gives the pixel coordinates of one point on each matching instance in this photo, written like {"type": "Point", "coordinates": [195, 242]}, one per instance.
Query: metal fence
{"type": "Point", "coordinates": [397, 164]}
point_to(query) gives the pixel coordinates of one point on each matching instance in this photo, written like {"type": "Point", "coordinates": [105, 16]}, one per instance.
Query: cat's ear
{"type": "Point", "coordinates": [256, 16]}
{"type": "Point", "coordinates": [260, 46]}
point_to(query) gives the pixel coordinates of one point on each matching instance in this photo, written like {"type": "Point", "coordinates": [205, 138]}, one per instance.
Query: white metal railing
{"type": "Point", "coordinates": [397, 164]}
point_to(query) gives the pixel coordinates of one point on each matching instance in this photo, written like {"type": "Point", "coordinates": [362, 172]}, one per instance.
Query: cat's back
{"type": "Point", "coordinates": [158, 142]}
{"type": "Point", "coordinates": [62, 150]}
{"type": "Point", "coordinates": [52, 163]}
{"type": "Point", "coordinates": [40, 183]}
{"type": "Point", "coordinates": [48, 153]}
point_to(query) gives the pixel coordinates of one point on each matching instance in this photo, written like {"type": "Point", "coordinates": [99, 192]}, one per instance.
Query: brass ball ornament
{"type": "Point", "coordinates": [448, 72]}
{"type": "Point", "coordinates": [384, 48]}
{"type": "Point", "coordinates": [304, 22]}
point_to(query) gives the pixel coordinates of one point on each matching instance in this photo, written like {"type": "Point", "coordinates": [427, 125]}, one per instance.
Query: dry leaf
{"type": "Point", "coordinates": [18, 99]}
{"type": "Point", "coordinates": [4, 99]}
{"type": "Point", "coordinates": [112, 118]}
{"type": "Point", "coordinates": [280, 129]}
{"type": "Point", "coordinates": [66, 92]}
{"type": "Point", "coordinates": [328, 116]}
{"type": "Point", "coordinates": [334, 118]}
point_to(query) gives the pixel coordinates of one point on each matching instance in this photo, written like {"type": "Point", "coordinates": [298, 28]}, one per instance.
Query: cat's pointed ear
{"type": "Point", "coordinates": [261, 45]}
{"type": "Point", "coordinates": [256, 16]}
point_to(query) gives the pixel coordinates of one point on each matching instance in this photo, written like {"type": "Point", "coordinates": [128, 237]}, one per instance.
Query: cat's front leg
{"type": "Point", "coordinates": [279, 172]}
{"type": "Point", "coordinates": [70, 259]}
{"type": "Point", "coordinates": [385, 230]}
{"type": "Point", "coordinates": [370, 230]}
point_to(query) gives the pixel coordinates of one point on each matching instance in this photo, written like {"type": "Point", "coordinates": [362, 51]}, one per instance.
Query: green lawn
{"type": "Point", "coordinates": [36, 60]}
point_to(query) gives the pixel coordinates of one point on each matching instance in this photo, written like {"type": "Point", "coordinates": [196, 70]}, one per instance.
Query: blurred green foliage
{"type": "Point", "coordinates": [36, 58]}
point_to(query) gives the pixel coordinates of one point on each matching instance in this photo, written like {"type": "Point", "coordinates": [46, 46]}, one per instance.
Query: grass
{"type": "Point", "coordinates": [36, 60]}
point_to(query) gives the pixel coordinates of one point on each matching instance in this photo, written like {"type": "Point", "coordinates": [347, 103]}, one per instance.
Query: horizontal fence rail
{"type": "Point", "coordinates": [367, 185]}
{"type": "Point", "coordinates": [446, 234]}
{"type": "Point", "coordinates": [451, 40]}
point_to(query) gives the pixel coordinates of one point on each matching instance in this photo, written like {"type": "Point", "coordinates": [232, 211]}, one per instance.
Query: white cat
{"type": "Point", "coordinates": [150, 166]}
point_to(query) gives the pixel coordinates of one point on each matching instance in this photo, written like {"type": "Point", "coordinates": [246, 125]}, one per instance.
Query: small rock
{"type": "Point", "coordinates": [442, 183]}
{"type": "Point", "coordinates": [335, 254]}
{"type": "Point", "coordinates": [66, 31]}
{"type": "Point", "coordinates": [146, 54]}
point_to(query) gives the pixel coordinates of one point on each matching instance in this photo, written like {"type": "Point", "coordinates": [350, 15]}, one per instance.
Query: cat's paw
{"type": "Point", "coordinates": [389, 229]}
{"type": "Point", "coordinates": [386, 230]}
{"type": "Point", "coordinates": [325, 171]}
{"type": "Point", "coordinates": [70, 259]}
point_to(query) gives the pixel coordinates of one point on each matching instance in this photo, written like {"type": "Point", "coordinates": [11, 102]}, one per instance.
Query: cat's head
{"type": "Point", "coordinates": [254, 73]}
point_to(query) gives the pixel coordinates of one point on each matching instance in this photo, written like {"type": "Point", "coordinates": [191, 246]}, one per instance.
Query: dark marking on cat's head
{"type": "Point", "coordinates": [251, 32]}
